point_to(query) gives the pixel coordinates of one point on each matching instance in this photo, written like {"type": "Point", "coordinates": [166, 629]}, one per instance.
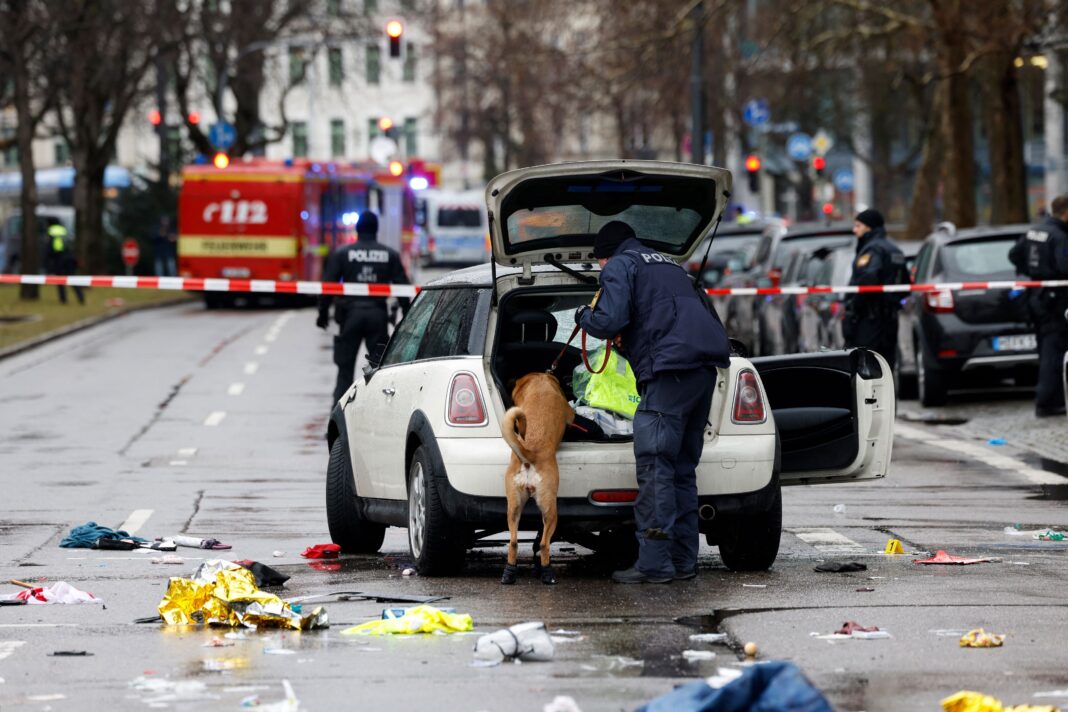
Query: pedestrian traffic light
{"type": "Point", "coordinates": [394, 30]}
{"type": "Point", "coordinates": [752, 167]}
{"type": "Point", "coordinates": [819, 163]}
{"type": "Point", "coordinates": [154, 117]}
{"type": "Point", "coordinates": [220, 160]}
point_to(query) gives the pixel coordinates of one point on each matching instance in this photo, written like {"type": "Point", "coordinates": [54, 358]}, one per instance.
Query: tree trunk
{"type": "Point", "coordinates": [957, 119]}
{"type": "Point", "coordinates": [1004, 124]}
{"type": "Point", "coordinates": [925, 187]}
{"type": "Point", "coordinates": [30, 259]}
{"type": "Point", "coordinates": [89, 215]}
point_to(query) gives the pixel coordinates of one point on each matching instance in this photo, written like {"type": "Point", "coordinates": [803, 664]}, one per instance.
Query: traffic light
{"type": "Point", "coordinates": [394, 30]}
{"type": "Point", "coordinates": [220, 160]}
{"type": "Point", "coordinates": [193, 118]}
{"type": "Point", "coordinates": [752, 167]}
{"type": "Point", "coordinates": [154, 117]}
{"type": "Point", "coordinates": [819, 163]}
{"type": "Point", "coordinates": [396, 169]}
{"type": "Point", "coordinates": [828, 209]}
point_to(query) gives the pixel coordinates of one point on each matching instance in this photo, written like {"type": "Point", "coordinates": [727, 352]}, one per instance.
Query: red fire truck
{"type": "Point", "coordinates": [278, 220]}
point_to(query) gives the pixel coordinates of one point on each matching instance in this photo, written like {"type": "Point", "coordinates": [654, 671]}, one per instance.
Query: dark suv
{"type": "Point", "coordinates": [971, 336]}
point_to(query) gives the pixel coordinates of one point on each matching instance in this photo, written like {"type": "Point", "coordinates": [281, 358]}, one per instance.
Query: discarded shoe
{"type": "Point", "coordinates": [633, 575]}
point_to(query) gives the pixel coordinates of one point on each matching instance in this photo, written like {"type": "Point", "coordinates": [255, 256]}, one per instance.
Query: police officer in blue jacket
{"type": "Point", "coordinates": [674, 344]}
{"type": "Point", "coordinates": [362, 319]}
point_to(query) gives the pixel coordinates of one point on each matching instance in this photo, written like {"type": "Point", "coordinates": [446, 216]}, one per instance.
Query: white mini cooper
{"type": "Point", "coordinates": [416, 442]}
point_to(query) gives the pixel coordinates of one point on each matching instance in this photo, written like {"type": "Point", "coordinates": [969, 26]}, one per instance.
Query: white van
{"type": "Point", "coordinates": [453, 227]}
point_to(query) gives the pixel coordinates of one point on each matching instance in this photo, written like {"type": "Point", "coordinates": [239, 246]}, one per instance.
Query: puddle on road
{"type": "Point", "coordinates": [1052, 493]}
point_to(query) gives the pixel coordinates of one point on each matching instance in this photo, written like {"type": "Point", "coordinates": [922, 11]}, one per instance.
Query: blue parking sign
{"type": "Point", "coordinates": [799, 146]}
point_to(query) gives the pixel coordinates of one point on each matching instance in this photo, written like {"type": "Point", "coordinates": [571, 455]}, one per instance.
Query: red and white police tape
{"type": "Point", "coordinates": [267, 286]}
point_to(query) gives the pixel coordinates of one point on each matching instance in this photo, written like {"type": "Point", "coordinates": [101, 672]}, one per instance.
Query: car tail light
{"type": "Point", "coordinates": [940, 302]}
{"type": "Point", "coordinates": [613, 496]}
{"type": "Point", "coordinates": [948, 353]}
{"type": "Point", "coordinates": [465, 403]}
{"type": "Point", "coordinates": [775, 275]}
{"type": "Point", "coordinates": [748, 405]}
{"type": "Point", "coordinates": [431, 244]}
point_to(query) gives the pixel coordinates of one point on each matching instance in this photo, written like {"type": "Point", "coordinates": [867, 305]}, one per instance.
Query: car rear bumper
{"type": "Point", "coordinates": [999, 361]}
{"type": "Point", "coordinates": [732, 464]}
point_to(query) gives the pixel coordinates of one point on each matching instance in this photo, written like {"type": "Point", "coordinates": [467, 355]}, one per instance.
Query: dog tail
{"type": "Point", "coordinates": [513, 435]}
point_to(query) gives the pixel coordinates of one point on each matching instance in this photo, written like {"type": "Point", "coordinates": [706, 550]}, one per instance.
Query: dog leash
{"type": "Point", "coordinates": [585, 355]}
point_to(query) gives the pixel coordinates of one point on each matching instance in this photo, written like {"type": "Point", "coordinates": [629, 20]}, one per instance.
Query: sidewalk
{"type": "Point", "coordinates": [1010, 416]}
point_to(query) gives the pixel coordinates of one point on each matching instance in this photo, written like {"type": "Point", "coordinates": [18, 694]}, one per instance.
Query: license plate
{"type": "Point", "coordinates": [236, 272]}
{"type": "Point", "coordinates": [1018, 342]}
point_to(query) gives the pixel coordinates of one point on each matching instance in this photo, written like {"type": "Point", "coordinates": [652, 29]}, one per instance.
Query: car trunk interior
{"type": "Point", "coordinates": [531, 331]}
{"type": "Point", "coordinates": [813, 400]}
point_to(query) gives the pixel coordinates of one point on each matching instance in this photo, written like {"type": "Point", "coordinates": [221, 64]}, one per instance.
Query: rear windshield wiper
{"type": "Point", "coordinates": [586, 278]}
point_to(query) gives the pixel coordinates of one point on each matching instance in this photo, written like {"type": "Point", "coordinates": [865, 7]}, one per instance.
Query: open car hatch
{"type": "Point", "coordinates": [556, 210]}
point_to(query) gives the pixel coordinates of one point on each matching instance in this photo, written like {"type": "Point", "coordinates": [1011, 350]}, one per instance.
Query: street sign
{"type": "Point", "coordinates": [222, 135]}
{"type": "Point", "coordinates": [131, 253]}
{"type": "Point", "coordinates": [382, 149]}
{"type": "Point", "coordinates": [799, 146]}
{"type": "Point", "coordinates": [822, 142]}
{"type": "Point", "coordinates": [756, 112]}
{"type": "Point", "coordinates": [843, 180]}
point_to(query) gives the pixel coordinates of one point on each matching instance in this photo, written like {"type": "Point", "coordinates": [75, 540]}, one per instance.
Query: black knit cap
{"type": "Point", "coordinates": [367, 224]}
{"type": "Point", "coordinates": [610, 237]}
{"type": "Point", "coordinates": [870, 217]}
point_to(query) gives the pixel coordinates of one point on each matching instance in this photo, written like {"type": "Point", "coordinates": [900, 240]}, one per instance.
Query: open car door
{"type": "Point", "coordinates": [834, 412]}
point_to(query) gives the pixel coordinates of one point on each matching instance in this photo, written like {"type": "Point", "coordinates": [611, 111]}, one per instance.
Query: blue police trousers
{"type": "Point", "coordinates": [669, 432]}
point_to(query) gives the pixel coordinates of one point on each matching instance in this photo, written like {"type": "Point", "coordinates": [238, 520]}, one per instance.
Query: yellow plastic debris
{"type": "Point", "coordinates": [968, 701]}
{"type": "Point", "coordinates": [894, 547]}
{"type": "Point", "coordinates": [979, 638]}
{"type": "Point", "coordinates": [421, 619]}
{"type": "Point", "coordinates": [232, 599]}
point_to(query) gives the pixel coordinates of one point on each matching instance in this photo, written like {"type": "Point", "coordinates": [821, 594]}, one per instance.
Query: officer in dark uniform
{"type": "Point", "coordinates": [362, 319]}
{"type": "Point", "coordinates": [1042, 253]}
{"type": "Point", "coordinates": [871, 319]}
{"type": "Point", "coordinates": [674, 345]}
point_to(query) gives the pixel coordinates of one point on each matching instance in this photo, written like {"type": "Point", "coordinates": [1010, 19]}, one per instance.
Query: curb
{"type": "Point", "coordinates": [84, 324]}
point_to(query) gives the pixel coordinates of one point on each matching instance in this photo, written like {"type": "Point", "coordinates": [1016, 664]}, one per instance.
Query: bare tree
{"type": "Point", "coordinates": [22, 43]}
{"type": "Point", "coordinates": [221, 53]}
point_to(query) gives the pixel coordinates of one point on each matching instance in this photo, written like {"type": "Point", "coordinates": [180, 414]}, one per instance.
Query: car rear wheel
{"type": "Point", "coordinates": [437, 545]}
{"type": "Point", "coordinates": [348, 528]}
{"type": "Point", "coordinates": [930, 382]}
{"type": "Point", "coordinates": [749, 541]}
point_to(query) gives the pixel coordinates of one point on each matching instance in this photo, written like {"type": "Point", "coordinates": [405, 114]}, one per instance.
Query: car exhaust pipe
{"type": "Point", "coordinates": [706, 512]}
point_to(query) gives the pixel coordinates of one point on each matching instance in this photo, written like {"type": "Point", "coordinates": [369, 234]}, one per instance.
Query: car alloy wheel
{"type": "Point", "coordinates": [417, 511]}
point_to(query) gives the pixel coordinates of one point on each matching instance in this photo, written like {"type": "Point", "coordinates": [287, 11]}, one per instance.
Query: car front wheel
{"type": "Point", "coordinates": [749, 541]}
{"type": "Point", "coordinates": [348, 529]}
{"type": "Point", "coordinates": [437, 545]}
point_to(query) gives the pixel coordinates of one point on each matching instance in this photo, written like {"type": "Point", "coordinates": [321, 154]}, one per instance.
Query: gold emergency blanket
{"type": "Point", "coordinates": [232, 598]}
{"type": "Point", "coordinates": [968, 701]}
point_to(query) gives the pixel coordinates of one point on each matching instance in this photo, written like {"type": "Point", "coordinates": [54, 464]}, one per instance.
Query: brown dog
{"type": "Point", "coordinates": [534, 429]}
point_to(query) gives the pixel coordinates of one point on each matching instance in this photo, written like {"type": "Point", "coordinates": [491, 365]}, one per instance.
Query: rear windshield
{"type": "Point", "coordinates": [803, 243]}
{"type": "Point", "coordinates": [459, 217]}
{"type": "Point", "coordinates": [979, 258]}
{"type": "Point", "coordinates": [667, 213]}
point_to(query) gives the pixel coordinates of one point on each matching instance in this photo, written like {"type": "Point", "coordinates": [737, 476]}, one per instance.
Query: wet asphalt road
{"type": "Point", "coordinates": [213, 422]}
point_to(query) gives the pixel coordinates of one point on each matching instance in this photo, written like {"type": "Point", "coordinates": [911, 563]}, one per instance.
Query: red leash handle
{"type": "Point", "coordinates": [586, 359]}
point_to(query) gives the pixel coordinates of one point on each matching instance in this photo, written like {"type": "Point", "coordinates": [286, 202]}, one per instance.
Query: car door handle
{"type": "Point", "coordinates": [390, 391]}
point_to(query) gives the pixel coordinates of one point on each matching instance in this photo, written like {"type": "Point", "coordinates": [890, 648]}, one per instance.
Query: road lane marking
{"type": "Point", "coordinates": [251, 367]}
{"type": "Point", "coordinates": [827, 540]}
{"type": "Point", "coordinates": [7, 647]}
{"type": "Point", "coordinates": [136, 520]}
{"type": "Point", "coordinates": [178, 463]}
{"type": "Point", "coordinates": [40, 625]}
{"type": "Point", "coordinates": [983, 454]}
{"type": "Point", "coordinates": [261, 350]}
{"type": "Point", "coordinates": [215, 418]}
{"type": "Point", "coordinates": [235, 389]}
{"type": "Point", "coordinates": [276, 327]}
{"type": "Point", "coordinates": [187, 451]}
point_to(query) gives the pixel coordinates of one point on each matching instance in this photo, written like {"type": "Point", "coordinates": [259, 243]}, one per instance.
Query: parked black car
{"type": "Point", "coordinates": [973, 337]}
